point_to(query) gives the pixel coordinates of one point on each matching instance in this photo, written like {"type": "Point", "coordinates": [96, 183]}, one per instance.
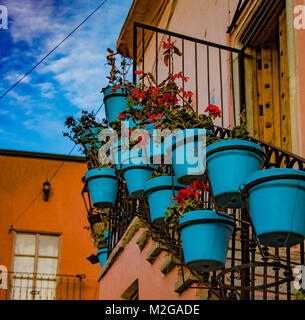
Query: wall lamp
{"type": "Point", "coordinates": [46, 186]}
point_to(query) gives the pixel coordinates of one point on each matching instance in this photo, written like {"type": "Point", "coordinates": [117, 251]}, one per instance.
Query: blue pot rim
{"type": "Point", "coordinates": [244, 144]}
{"type": "Point", "coordinates": [201, 216]}
{"type": "Point", "coordinates": [95, 172]}
{"type": "Point", "coordinates": [100, 251]}
{"type": "Point", "coordinates": [271, 174]}
{"type": "Point", "coordinates": [108, 91]}
{"type": "Point", "coordinates": [130, 166]}
{"type": "Point", "coordinates": [181, 140]}
{"type": "Point", "coordinates": [161, 183]}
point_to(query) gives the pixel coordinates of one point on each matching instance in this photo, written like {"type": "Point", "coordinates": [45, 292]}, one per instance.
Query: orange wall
{"type": "Point", "coordinates": [64, 212]}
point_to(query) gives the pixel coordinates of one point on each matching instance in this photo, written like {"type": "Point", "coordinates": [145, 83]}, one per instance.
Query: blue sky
{"type": "Point", "coordinates": [32, 116]}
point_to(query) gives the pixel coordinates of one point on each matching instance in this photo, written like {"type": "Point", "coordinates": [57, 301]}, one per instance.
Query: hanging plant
{"type": "Point", "coordinates": [101, 177]}
{"type": "Point", "coordinates": [188, 199]}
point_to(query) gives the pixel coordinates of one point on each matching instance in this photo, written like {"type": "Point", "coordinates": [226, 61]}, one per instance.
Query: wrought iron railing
{"type": "Point", "coordinates": [216, 71]}
{"type": "Point", "coordinates": [41, 286]}
{"type": "Point", "coordinates": [251, 271]}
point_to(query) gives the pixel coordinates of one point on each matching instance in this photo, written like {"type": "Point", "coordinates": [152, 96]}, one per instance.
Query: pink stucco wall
{"type": "Point", "coordinates": [153, 284]}
{"type": "Point", "coordinates": [300, 41]}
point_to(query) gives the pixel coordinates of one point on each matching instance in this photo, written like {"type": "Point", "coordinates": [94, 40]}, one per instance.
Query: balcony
{"type": "Point", "coordinates": [252, 271]}
{"type": "Point", "coordinates": [41, 286]}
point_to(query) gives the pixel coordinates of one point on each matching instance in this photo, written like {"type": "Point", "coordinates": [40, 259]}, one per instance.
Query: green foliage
{"type": "Point", "coordinates": [300, 295]}
{"type": "Point", "coordinates": [83, 132]}
{"type": "Point", "coordinates": [238, 132]}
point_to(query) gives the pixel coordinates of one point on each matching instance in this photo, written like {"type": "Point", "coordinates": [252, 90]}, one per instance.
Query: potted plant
{"type": "Point", "coordinates": [205, 234]}
{"type": "Point", "coordinates": [115, 94]}
{"type": "Point", "coordinates": [99, 233]}
{"type": "Point", "coordinates": [135, 169]}
{"type": "Point", "coordinates": [276, 199]}
{"type": "Point", "coordinates": [101, 177]}
{"type": "Point", "coordinates": [159, 189]}
{"type": "Point", "coordinates": [229, 161]}
{"type": "Point", "coordinates": [169, 106]}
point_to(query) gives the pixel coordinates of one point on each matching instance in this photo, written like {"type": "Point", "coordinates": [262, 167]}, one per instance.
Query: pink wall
{"type": "Point", "coordinates": [300, 41]}
{"type": "Point", "coordinates": [153, 284]}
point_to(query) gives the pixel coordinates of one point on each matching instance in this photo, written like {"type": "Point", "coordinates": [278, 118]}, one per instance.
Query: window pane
{"type": "Point", "coordinates": [48, 246]}
{"type": "Point", "coordinates": [47, 265]}
{"type": "Point", "coordinates": [25, 244]}
{"type": "Point", "coordinates": [24, 264]}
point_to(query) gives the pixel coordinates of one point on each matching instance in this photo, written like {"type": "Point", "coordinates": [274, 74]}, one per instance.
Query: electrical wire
{"type": "Point", "coordinates": [52, 177]}
{"type": "Point", "coordinates": [50, 52]}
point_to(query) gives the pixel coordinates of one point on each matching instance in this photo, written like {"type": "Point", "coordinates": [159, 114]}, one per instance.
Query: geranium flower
{"type": "Point", "coordinates": [213, 110]}
{"type": "Point", "coordinates": [121, 116]}
{"type": "Point", "coordinates": [153, 117]}
{"type": "Point", "coordinates": [139, 71]}
{"type": "Point", "coordinates": [167, 45]}
{"type": "Point", "coordinates": [154, 90]}
{"type": "Point", "coordinates": [138, 94]}
{"type": "Point", "coordinates": [115, 88]}
{"type": "Point", "coordinates": [188, 94]}
{"type": "Point", "coordinates": [178, 75]}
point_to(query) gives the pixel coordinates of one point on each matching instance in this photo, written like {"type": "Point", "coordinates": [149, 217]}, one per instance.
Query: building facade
{"type": "Point", "coordinates": [44, 245]}
{"type": "Point", "coordinates": [246, 57]}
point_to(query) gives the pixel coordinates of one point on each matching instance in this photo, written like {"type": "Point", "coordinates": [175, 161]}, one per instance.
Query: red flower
{"type": "Point", "coordinates": [121, 116]}
{"type": "Point", "coordinates": [154, 90]}
{"type": "Point", "coordinates": [188, 94]}
{"type": "Point", "coordinates": [197, 185]}
{"type": "Point", "coordinates": [115, 88]}
{"type": "Point", "coordinates": [153, 117]}
{"type": "Point", "coordinates": [138, 71]}
{"type": "Point", "coordinates": [213, 110]}
{"type": "Point", "coordinates": [178, 75]}
{"type": "Point", "coordinates": [167, 45]}
{"type": "Point", "coordinates": [138, 94]}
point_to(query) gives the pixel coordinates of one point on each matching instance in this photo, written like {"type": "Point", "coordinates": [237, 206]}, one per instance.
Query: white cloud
{"type": "Point", "coordinates": [76, 71]}
{"type": "Point", "coordinates": [14, 76]}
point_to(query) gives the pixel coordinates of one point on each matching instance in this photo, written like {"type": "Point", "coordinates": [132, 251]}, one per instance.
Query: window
{"type": "Point", "coordinates": [35, 266]}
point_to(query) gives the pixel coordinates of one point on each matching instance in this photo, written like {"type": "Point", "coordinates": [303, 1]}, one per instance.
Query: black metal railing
{"type": "Point", "coordinates": [251, 271]}
{"type": "Point", "coordinates": [41, 286]}
{"type": "Point", "coordinates": [216, 71]}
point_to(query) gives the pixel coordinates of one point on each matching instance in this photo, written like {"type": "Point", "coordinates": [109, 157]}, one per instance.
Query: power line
{"type": "Point", "coordinates": [52, 177]}
{"type": "Point", "coordinates": [47, 55]}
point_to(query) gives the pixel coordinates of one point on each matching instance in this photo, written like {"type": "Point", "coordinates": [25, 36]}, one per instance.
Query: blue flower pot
{"type": "Point", "coordinates": [103, 186]}
{"type": "Point", "coordinates": [205, 239]}
{"type": "Point", "coordinates": [276, 199]}
{"type": "Point", "coordinates": [159, 192]}
{"type": "Point", "coordinates": [102, 255]}
{"type": "Point", "coordinates": [114, 103]}
{"type": "Point", "coordinates": [135, 174]}
{"type": "Point", "coordinates": [188, 157]}
{"type": "Point", "coordinates": [229, 162]}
